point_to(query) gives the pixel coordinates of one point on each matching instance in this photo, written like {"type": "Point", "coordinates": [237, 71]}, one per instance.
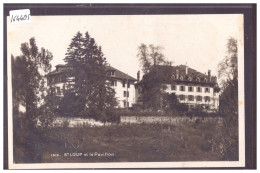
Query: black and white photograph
{"type": "Point", "coordinates": [125, 91]}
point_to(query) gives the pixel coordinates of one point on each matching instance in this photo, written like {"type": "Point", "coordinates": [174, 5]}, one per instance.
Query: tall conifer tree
{"type": "Point", "coordinates": [88, 69]}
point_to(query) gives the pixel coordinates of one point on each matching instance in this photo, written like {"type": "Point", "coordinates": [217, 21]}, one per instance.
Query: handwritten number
{"type": "Point", "coordinates": [19, 18]}
{"type": "Point", "coordinates": [12, 18]}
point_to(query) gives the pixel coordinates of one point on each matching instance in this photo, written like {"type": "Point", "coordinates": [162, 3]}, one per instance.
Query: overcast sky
{"type": "Point", "coordinates": [198, 40]}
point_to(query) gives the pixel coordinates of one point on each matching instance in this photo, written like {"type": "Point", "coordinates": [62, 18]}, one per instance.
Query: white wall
{"type": "Point", "coordinates": [119, 89]}
{"type": "Point", "coordinates": [214, 100]}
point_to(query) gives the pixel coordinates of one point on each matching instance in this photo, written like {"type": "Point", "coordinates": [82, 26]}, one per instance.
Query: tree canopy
{"type": "Point", "coordinates": [89, 72]}
{"type": "Point", "coordinates": [27, 73]}
{"type": "Point", "coordinates": [150, 57]}
{"type": "Point", "coordinates": [227, 68]}
{"type": "Point", "coordinates": [228, 103]}
{"type": "Point", "coordinates": [228, 72]}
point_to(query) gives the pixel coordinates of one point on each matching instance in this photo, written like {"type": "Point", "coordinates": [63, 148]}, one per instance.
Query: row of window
{"type": "Point", "coordinates": [190, 78]}
{"type": "Point", "coordinates": [56, 90]}
{"type": "Point", "coordinates": [191, 98]}
{"type": "Point", "coordinates": [56, 79]}
{"type": "Point", "coordinates": [114, 83]}
{"type": "Point", "coordinates": [190, 89]}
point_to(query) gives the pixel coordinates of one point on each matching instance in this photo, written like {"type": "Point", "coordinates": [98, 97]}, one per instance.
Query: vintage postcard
{"type": "Point", "coordinates": [125, 91]}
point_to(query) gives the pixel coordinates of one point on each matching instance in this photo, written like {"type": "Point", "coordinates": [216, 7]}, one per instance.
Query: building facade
{"type": "Point", "coordinates": [124, 87]}
{"type": "Point", "coordinates": [190, 86]}
{"type": "Point", "coordinates": [122, 83]}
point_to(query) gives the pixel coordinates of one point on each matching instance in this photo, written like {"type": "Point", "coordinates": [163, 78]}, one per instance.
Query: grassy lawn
{"type": "Point", "coordinates": [121, 143]}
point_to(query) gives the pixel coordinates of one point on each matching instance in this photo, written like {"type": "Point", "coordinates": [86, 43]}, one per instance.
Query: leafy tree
{"type": "Point", "coordinates": [227, 68]}
{"type": "Point", "coordinates": [172, 104]}
{"type": "Point", "coordinates": [27, 73]}
{"type": "Point", "coordinates": [71, 105]}
{"type": "Point", "coordinates": [150, 58]}
{"type": "Point", "coordinates": [228, 105]}
{"type": "Point", "coordinates": [88, 69]}
{"type": "Point", "coordinates": [18, 85]}
{"type": "Point", "coordinates": [28, 90]}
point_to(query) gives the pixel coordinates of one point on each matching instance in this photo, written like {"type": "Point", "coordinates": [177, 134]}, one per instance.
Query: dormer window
{"type": "Point", "coordinates": [190, 78]}
{"type": "Point", "coordinates": [181, 78]}
{"type": "Point", "coordinates": [198, 79]}
{"type": "Point", "coordinates": [173, 77]}
{"type": "Point", "coordinates": [112, 73]}
{"type": "Point", "coordinates": [205, 80]}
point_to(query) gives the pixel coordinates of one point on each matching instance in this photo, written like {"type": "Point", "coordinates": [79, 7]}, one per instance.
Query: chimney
{"type": "Point", "coordinates": [186, 69]}
{"type": "Point", "coordinates": [177, 74]}
{"type": "Point", "coordinates": [138, 76]}
{"type": "Point", "coordinates": [209, 75]}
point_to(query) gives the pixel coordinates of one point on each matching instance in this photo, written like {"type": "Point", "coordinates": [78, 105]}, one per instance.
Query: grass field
{"type": "Point", "coordinates": [120, 143]}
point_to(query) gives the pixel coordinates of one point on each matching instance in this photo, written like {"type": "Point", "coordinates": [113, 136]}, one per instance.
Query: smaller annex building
{"type": "Point", "coordinates": [190, 86]}
{"type": "Point", "coordinates": [122, 83]}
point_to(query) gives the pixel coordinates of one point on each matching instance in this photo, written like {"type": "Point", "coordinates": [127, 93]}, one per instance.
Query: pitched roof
{"type": "Point", "coordinates": [166, 74]}
{"type": "Point", "coordinates": [61, 65]}
{"type": "Point", "coordinates": [119, 74]}
{"type": "Point", "coordinates": [60, 70]}
{"type": "Point", "coordinates": [168, 71]}
{"type": "Point", "coordinates": [191, 72]}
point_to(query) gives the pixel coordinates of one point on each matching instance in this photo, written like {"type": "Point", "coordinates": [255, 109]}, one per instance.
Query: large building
{"type": "Point", "coordinates": [122, 83]}
{"type": "Point", "coordinates": [190, 86]}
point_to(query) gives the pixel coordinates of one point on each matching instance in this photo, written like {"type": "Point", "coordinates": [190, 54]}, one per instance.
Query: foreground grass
{"type": "Point", "coordinates": [119, 143]}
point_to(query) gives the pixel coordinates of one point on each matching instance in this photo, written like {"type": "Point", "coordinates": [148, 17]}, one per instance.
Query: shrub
{"type": "Point", "coordinates": [112, 115]}
{"type": "Point", "coordinates": [71, 105]}
{"type": "Point", "coordinates": [46, 117]}
{"type": "Point", "coordinates": [65, 123]}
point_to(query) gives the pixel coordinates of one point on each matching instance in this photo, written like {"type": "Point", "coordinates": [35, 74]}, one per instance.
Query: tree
{"type": "Point", "coordinates": [228, 106]}
{"type": "Point", "coordinates": [71, 104]}
{"type": "Point", "coordinates": [150, 58]}
{"type": "Point", "coordinates": [88, 70]}
{"type": "Point", "coordinates": [28, 70]}
{"type": "Point", "coordinates": [18, 85]}
{"type": "Point", "coordinates": [227, 68]}
{"type": "Point", "coordinates": [27, 73]}
{"type": "Point", "coordinates": [171, 104]}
